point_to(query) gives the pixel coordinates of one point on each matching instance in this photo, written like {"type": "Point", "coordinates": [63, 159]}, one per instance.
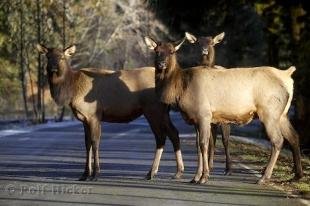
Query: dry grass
{"type": "Point", "coordinates": [257, 157]}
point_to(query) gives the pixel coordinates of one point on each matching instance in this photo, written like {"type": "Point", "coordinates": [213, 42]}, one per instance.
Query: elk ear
{"type": "Point", "coordinates": [178, 45]}
{"type": "Point", "coordinates": [42, 49]}
{"type": "Point", "coordinates": [69, 51]}
{"type": "Point", "coordinates": [150, 43]}
{"type": "Point", "coordinates": [191, 38]}
{"type": "Point", "coordinates": [218, 38]}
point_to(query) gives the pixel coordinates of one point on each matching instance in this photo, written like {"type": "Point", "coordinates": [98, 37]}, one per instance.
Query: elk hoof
{"type": "Point", "coordinates": [196, 178]}
{"type": "Point", "coordinates": [227, 172]}
{"type": "Point", "coordinates": [149, 176]}
{"type": "Point", "coordinates": [178, 175]}
{"type": "Point", "coordinates": [94, 179]}
{"type": "Point", "coordinates": [203, 180]}
{"type": "Point", "coordinates": [262, 181]}
{"type": "Point", "coordinates": [94, 176]}
{"type": "Point", "coordinates": [194, 181]}
{"type": "Point", "coordinates": [84, 177]}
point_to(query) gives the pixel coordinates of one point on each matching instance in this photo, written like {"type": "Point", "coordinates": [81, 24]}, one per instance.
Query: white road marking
{"type": "Point", "coordinates": [127, 133]}
{"type": "Point", "coordinates": [254, 172]}
{"type": "Point", "coordinates": [9, 132]}
{"type": "Point", "coordinates": [187, 135]}
{"type": "Point", "coordinates": [23, 139]}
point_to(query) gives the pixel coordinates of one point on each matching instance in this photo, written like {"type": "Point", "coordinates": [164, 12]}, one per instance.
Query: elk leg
{"type": "Point", "coordinates": [212, 145]}
{"type": "Point", "coordinates": [173, 135]}
{"type": "Point", "coordinates": [155, 121]}
{"type": "Point", "coordinates": [276, 138]}
{"type": "Point", "coordinates": [204, 137]}
{"type": "Point", "coordinates": [95, 134]}
{"type": "Point", "coordinates": [225, 137]}
{"type": "Point", "coordinates": [160, 143]}
{"type": "Point", "coordinates": [292, 137]}
{"type": "Point", "coordinates": [88, 165]}
{"type": "Point", "coordinates": [199, 158]}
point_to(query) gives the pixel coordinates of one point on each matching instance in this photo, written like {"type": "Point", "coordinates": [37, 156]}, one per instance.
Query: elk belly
{"type": "Point", "coordinates": [225, 118]}
{"type": "Point", "coordinates": [188, 119]}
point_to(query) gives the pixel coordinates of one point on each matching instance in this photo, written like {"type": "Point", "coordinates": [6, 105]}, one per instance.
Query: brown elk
{"type": "Point", "coordinates": [206, 96]}
{"type": "Point", "coordinates": [206, 45]}
{"type": "Point", "coordinates": [96, 95]}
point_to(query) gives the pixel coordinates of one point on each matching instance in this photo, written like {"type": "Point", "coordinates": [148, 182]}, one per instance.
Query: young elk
{"type": "Point", "coordinates": [206, 45]}
{"type": "Point", "coordinates": [206, 96]}
{"type": "Point", "coordinates": [105, 95]}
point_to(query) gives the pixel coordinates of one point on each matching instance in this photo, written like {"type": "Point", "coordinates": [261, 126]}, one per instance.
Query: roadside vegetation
{"type": "Point", "coordinates": [256, 157]}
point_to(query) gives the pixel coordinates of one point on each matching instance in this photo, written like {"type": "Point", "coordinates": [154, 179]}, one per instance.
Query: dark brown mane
{"type": "Point", "coordinates": [62, 87]}
{"type": "Point", "coordinates": [172, 84]}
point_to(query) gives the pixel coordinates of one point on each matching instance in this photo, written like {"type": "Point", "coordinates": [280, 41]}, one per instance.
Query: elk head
{"type": "Point", "coordinates": [57, 59]}
{"type": "Point", "coordinates": [205, 42]}
{"type": "Point", "coordinates": [165, 57]}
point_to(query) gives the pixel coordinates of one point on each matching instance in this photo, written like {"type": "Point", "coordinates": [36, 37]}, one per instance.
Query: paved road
{"type": "Point", "coordinates": [41, 167]}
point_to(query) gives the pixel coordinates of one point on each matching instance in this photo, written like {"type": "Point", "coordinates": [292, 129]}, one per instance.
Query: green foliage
{"type": "Point", "coordinates": [8, 78]}
{"type": "Point", "coordinates": [9, 86]}
{"type": "Point", "coordinates": [109, 33]}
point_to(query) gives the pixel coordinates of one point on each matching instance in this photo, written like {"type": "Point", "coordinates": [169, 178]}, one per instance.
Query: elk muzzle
{"type": "Point", "coordinates": [205, 51]}
{"type": "Point", "coordinates": [162, 65]}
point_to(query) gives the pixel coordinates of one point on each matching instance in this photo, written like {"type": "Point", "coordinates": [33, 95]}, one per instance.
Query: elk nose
{"type": "Point", "coordinates": [162, 65]}
{"type": "Point", "coordinates": [205, 51]}
{"type": "Point", "coordinates": [54, 69]}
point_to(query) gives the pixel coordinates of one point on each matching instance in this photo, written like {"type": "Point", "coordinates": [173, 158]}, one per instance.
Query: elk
{"type": "Point", "coordinates": [206, 96]}
{"type": "Point", "coordinates": [206, 45]}
{"type": "Point", "coordinates": [96, 95]}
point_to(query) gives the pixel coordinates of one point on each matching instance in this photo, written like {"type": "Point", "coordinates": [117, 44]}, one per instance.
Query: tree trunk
{"type": "Point", "coordinates": [62, 109]}
{"type": "Point", "coordinates": [273, 50]}
{"type": "Point", "coordinates": [302, 122]}
{"type": "Point", "coordinates": [39, 75]}
{"type": "Point", "coordinates": [34, 109]}
{"type": "Point", "coordinates": [22, 68]}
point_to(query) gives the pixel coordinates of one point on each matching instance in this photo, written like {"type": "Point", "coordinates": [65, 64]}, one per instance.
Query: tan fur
{"type": "Point", "coordinates": [235, 99]}
{"type": "Point", "coordinates": [244, 92]}
{"type": "Point", "coordinates": [229, 96]}
{"type": "Point", "coordinates": [122, 97]}
{"type": "Point", "coordinates": [111, 96]}
{"type": "Point", "coordinates": [207, 45]}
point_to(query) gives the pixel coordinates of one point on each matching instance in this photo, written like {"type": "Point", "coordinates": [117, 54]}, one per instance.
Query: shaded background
{"type": "Point", "coordinates": [110, 34]}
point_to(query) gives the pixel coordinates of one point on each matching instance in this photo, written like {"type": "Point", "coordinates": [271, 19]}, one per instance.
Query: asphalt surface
{"type": "Point", "coordinates": [41, 167]}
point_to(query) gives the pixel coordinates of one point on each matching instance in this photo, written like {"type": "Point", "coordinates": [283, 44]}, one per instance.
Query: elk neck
{"type": "Point", "coordinates": [169, 82]}
{"type": "Point", "coordinates": [208, 59]}
{"type": "Point", "coordinates": [62, 84]}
